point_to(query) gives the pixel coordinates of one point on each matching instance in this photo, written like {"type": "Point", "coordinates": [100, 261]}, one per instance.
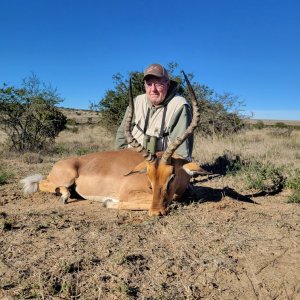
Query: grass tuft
{"type": "Point", "coordinates": [293, 182]}
{"type": "Point", "coordinates": [258, 176]}
{"type": "Point", "coordinates": [4, 174]}
{"type": "Point", "coordinates": [294, 197]}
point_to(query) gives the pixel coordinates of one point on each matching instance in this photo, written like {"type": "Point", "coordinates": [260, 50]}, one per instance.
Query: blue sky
{"type": "Point", "coordinates": [248, 48]}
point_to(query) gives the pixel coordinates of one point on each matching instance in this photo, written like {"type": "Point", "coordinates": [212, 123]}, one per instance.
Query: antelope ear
{"type": "Point", "coordinates": [193, 169]}
{"type": "Point", "coordinates": [140, 169]}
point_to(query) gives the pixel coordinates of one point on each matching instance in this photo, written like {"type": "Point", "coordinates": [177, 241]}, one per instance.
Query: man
{"type": "Point", "coordinates": [160, 115]}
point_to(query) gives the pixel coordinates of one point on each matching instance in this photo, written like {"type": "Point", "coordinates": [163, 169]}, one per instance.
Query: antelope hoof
{"type": "Point", "coordinates": [63, 200]}
{"type": "Point", "coordinates": [64, 194]}
{"type": "Point", "coordinates": [110, 203]}
{"type": "Point", "coordinates": [153, 212]}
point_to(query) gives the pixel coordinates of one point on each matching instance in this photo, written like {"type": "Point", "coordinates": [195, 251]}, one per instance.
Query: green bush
{"type": "Point", "coordinates": [28, 115]}
{"type": "Point", "coordinates": [264, 176]}
{"type": "Point", "coordinates": [234, 166]}
{"type": "Point", "coordinates": [259, 125]}
{"type": "Point", "coordinates": [71, 122]}
{"type": "Point", "coordinates": [4, 175]}
{"type": "Point", "coordinates": [32, 158]}
{"type": "Point", "coordinates": [294, 197]}
{"type": "Point", "coordinates": [281, 125]}
{"type": "Point", "coordinates": [293, 182]}
{"type": "Point", "coordinates": [82, 151]}
{"type": "Point", "coordinates": [258, 176]}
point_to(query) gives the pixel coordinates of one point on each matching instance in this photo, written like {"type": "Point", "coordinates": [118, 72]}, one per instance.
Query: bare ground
{"type": "Point", "coordinates": [218, 245]}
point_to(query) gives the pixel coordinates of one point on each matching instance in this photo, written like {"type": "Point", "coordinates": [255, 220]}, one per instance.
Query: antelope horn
{"type": "Point", "coordinates": [130, 139]}
{"type": "Point", "coordinates": [195, 120]}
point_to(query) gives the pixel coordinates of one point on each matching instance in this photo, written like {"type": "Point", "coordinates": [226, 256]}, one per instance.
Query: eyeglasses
{"type": "Point", "coordinates": [158, 85]}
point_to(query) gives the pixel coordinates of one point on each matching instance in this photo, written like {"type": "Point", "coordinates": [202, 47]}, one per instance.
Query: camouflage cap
{"type": "Point", "coordinates": [156, 70]}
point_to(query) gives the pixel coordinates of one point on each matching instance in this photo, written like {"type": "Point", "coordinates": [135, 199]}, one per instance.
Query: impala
{"type": "Point", "coordinates": [130, 178]}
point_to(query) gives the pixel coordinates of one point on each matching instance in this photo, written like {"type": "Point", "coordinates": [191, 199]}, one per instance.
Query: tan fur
{"type": "Point", "coordinates": [121, 179]}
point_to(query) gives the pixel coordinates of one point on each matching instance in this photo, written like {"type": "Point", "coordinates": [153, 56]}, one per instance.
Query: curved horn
{"type": "Point", "coordinates": [196, 117]}
{"type": "Point", "coordinates": [130, 139]}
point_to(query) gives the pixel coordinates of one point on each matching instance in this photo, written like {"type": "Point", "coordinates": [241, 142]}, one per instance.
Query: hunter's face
{"type": "Point", "coordinates": [156, 89]}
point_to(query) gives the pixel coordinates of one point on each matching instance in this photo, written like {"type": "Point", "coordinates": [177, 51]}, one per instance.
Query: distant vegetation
{"type": "Point", "coordinates": [259, 124]}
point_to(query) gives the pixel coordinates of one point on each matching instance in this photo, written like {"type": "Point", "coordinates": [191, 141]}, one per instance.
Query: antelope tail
{"type": "Point", "coordinates": [30, 184]}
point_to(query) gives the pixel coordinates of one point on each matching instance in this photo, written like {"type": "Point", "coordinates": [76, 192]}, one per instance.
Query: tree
{"type": "Point", "coordinates": [219, 114]}
{"type": "Point", "coordinates": [28, 114]}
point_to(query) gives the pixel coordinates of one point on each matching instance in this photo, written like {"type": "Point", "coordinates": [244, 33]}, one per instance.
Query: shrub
{"type": "Point", "coordinates": [234, 166]}
{"type": "Point", "coordinates": [29, 116]}
{"type": "Point", "coordinates": [82, 151]}
{"type": "Point", "coordinates": [71, 122]}
{"type": "Point", "coordinates": [259, 125]}
{"type": "Point", "coordinates": [32, 158]}
{"type": "Point", "coordinates": [293, 182]}
{"type": "Point", "coordinates": [264, 177]}
{"type": "Point", "coordinates": [294, 197]}
{"type": "Point", "coordinates": [281, 125]}
{"type": "Point", "coordinates": [4, 174]}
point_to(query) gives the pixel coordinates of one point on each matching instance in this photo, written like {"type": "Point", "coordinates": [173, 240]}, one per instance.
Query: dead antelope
{"type": "Point", "coordinates": [130, 178]}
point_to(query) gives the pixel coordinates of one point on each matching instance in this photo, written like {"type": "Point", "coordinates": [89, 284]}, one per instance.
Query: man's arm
{"type": "Point", "coordinates": [121, 142]}
{"type": "Point", "coordinates": [179, 123]}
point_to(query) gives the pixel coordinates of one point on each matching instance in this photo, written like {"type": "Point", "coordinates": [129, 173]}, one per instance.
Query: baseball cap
{"type": "Point", "coordinates": [156, 70]}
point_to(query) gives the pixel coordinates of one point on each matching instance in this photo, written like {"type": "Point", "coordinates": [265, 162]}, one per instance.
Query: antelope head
{"type": "Point", "coordinates": [168, 174]}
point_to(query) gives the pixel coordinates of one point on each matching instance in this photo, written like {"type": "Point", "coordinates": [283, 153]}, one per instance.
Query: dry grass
{"type": "Point", "coordinates": [259, 144]}
{"type": "Point", "coordinates": [89, 138]}
{"type": "Point", "coordinates": [249, 146]}
{"type": "Point", "coordinates": [81, 116]}
{"type": "Point", "coordinates": [218, 245]}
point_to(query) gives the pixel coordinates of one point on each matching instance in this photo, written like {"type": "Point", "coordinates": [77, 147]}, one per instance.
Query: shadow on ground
{"type": "Point", "coordinates": [202, 194]}
{"type": "Point", "coordinates": [220, 168]}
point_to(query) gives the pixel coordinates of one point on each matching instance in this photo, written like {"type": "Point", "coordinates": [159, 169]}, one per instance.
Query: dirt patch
{"type": "Point", "coordinates": [214, 247]}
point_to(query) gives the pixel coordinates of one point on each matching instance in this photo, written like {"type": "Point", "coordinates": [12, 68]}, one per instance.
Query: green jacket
{"type": "Point", "coordinates": [164, 123]}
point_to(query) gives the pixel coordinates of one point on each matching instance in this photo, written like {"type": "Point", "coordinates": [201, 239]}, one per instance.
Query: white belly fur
{"type": "Point", "coordinates": [100, 198]}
